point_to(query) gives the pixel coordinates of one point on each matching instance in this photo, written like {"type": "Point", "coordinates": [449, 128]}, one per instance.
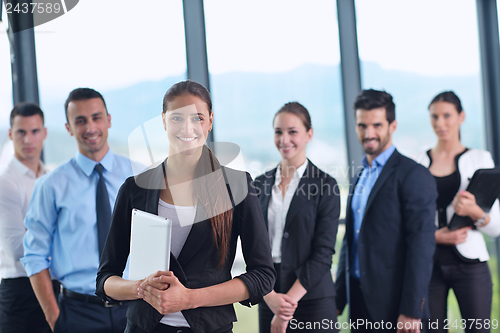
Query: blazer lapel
{"type": "Point", "coordinates": [197, 236]}
{"type": "Point", "coordinates": [348, 213]}
{"type": "Point", "coordinates": [299, 198]}
{"type": "Point", "coordinates": [388, 169]}
{"type": "Point", "coordinates": [153, 195]}
{"type": "Point", "coordinates": [269, 180]}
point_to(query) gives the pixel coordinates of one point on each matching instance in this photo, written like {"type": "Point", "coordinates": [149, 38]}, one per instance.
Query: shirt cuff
{"type": "Point", "coordinates": [34, 265]}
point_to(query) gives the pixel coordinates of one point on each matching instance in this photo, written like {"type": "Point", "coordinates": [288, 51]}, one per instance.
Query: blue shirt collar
{"type": "Point", "coordinates": [381, 159]}
{"type": "Point", "coordinates": [87, 165]}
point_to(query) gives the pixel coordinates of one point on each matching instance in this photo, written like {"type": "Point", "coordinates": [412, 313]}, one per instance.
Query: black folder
{"type": "Point", "coordinates": [485, 185]}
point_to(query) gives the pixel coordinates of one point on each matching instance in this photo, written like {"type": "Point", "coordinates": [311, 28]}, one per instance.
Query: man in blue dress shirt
{"type": "Point", "coordinates": [386, 259]}
{"type": "Point", "coordinates": [61, 221]}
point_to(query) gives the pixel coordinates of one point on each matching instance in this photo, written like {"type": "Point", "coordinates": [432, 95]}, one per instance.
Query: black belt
{"type": "Point", "coordinates": [88, 298]}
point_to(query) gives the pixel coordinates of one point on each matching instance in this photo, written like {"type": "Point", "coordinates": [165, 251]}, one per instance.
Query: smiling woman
{"type": "Point", "coordinates": [302, 228]}
{"type": "Point", "coordinates": [196, 295]}
{"type": "Point", "coordinates": [187, 119]}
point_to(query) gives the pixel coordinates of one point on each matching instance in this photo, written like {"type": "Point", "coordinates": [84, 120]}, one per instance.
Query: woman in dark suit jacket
{"type": "Point", "coordinates": [301, 205]}
{"type": "Point", "coordinates": [209, 213]}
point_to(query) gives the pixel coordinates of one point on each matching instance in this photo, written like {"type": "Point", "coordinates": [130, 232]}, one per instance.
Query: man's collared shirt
{"type": "Point", "coordinates": [62, 222]}
{"type": "Point", "coordinates": [362, 191]}
{"type": "Point", "coordinates": [278, 209]}
{"type": "Point", "coordinates": [16, 185]}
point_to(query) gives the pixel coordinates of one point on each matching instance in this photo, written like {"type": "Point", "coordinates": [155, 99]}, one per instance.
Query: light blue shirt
{"type": "Point", "coordinates": [61, 220]}
{"type": "Point", "coordinates": [362, 191]}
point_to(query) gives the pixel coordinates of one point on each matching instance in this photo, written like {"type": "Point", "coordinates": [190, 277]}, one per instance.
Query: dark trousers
{"type": "Point", "coordinates": [322, 311]}
{"type": "Point", "coordinates": [359, 311]}
{"type": "Point", "coordinates": [357, 307]}
{"type": "Point", "coordinates": [19, 309]}
{"type": "Point", "coordinates": [472, 285]}
{"type": "Point", "coordinates": [76, 316]}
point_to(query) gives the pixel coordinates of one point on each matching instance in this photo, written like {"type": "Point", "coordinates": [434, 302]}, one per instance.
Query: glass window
{"type": "Point", "coordinates": [415, 50]}
{"type": "Point", "coordinates": [277, 52]}
{"type": "Point", "coordinates": [131, 56]}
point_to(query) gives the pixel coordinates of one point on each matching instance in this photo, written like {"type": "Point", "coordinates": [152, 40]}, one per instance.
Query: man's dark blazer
{"type": "Point", "coordinates": [310, 232]}
{"type": "Point", "coordinates": [196, 265]}
{"type": "Point", "coordinates": [396, 242]}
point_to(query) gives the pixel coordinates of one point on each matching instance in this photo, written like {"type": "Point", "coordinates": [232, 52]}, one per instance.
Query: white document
{"type": "Point", "coordinates": [149, 244]}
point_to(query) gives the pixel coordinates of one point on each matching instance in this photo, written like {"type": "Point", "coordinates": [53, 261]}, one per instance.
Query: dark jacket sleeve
{"type": "Point", "coordinates": [419, 196]}
{"type": "Point", "coordinates": [116, 249]}
{"type": "Point", "coordinates": [340, 281]}
{"type": "Point", "coordinates": [257, 184]}
{"type": "Point", "coordinates": [325, 235]}
{"type": "Point", "coordinates": [260, 275]}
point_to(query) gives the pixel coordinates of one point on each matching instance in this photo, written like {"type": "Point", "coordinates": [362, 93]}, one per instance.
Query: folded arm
{"type": "Point", "coordinates": [167, 294]}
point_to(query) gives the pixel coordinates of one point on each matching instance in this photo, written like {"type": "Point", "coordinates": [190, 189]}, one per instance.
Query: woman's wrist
{"type": "Point", "coordinates": [194, 298]}
{"type": "Point", "coordinates": [121, 289]}
{"type": "Point", "coordinates": [442, 236]}
{"type": "Point", "coordinates": [477, 214]}
{"type": "Point", "coordinates": [228, 292]}
{"type": "Point", "coordinates": [295, 296]}
{"type": "Point", "coordinates": [131, 288]}
{"type": "Point", "coordinates": [297, 291]}
{"type": "Point", "coordinates": [483, 220]}
{"type": "Point", "coordinates": [269, 296]}
{"type": "Point", "coordinates": [136, 285]}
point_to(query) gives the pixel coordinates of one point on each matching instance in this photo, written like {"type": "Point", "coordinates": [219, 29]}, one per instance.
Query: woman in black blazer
{"type": "Point", "coordinates": [210, 206]}
{"type": "Point", "coordinates": [301, 205]}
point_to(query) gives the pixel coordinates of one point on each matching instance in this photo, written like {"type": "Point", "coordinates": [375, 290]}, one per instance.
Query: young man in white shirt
{"type": "Point", "coordinates": [19, 309]}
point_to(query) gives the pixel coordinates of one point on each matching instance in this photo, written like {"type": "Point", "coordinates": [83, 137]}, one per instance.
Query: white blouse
{"type": "Point", "coordinates": [182, 221]}
{"type": "Point", "coordinates": [474, 246]}
{"type": "Point", "coordinates": [278, 209]}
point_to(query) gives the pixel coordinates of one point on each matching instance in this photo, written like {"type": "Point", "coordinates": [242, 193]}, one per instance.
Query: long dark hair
{"type": "Point", "coordinates": [211, 193]}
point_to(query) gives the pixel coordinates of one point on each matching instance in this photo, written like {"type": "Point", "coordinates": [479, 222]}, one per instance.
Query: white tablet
{"type": "Point", "coordinates": [149, 244]}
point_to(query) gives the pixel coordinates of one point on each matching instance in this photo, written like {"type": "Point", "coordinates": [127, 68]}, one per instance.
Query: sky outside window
{"type": "Point", "coordinates": [263, 54]}
{"type": "Point", "coordinates": [415, 50]}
